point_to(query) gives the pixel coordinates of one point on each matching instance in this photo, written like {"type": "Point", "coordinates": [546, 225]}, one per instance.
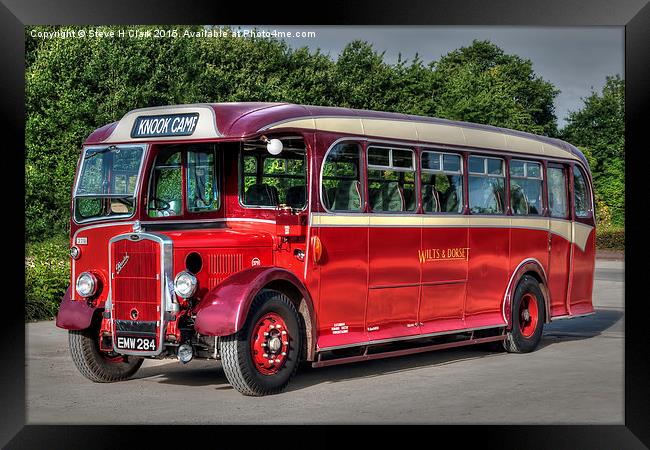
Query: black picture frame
{"type": "Point", "coordinates": [634, 15]}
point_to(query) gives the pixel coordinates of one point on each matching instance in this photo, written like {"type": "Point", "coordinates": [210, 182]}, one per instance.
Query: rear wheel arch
{"type": "Point", "coordinates": [531, 267]}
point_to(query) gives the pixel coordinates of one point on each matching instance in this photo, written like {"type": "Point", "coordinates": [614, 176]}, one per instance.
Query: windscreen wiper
{"type": "Point", "coordinates": [100, 152]}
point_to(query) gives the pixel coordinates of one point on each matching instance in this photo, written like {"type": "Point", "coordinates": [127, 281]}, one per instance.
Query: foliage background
{"type": "Point", "coordinates": [74, 86]}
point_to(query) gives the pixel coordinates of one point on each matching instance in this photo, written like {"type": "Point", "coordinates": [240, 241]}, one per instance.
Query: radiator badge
{"type": "Point", "coordinates": [120, 265]}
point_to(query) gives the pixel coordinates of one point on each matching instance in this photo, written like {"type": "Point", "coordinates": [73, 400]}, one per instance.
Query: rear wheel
{"type": "Point", "coordinates": [262, 357]}
{"type": "Point", "coordinates": [528, 315]}
{"type": "Point", "coordinates": [98, 366]}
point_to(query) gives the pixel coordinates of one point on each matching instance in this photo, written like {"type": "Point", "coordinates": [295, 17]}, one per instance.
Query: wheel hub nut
{"type": "Point", "coordinates": [274, 344]}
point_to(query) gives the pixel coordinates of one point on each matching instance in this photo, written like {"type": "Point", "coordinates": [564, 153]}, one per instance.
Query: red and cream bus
{"type": "Point", "coordinates": [265, 234]}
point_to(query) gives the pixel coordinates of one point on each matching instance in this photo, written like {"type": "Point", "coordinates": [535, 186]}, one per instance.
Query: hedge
{"type": "Point", "coordinates": [610, 238]}
{"type": "Point", "coordinates": [47, 275]}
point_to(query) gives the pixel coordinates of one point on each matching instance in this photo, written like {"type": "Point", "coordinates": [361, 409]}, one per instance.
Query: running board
{"type": "Point", "coordinates": [408, 351]}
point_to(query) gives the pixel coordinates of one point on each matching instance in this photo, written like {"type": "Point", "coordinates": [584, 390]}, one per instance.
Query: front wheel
{"type": "Point", "coordinates": [98, 366]}
{"type": "Point", "coordinates": [261, 358]}
{"type": "Point", "coordinates": [528, 315]}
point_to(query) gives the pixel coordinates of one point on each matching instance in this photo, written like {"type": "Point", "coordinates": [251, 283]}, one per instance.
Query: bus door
{"type": "Point", "coordinates": [393, 243]}
{"type": "Point", "coordinates": [559, 237]}
{"type": "Point", "coordinates": [444, 253]}
{"type": "Point", "coordinates": [343, 235]}
{"type": "Point", "coordinates": [583, 235]}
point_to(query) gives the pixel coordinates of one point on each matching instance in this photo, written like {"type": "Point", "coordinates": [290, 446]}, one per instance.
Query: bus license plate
{"type": "Point", "coordinates": [136, 343]}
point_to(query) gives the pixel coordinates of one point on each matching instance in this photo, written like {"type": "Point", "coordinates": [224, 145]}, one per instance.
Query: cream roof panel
{"type": "Point", "coordinates": [484, 139]}
{"type": "Point", "coordinates": [428, 133]}
{"type": "Point", "coordinates": [552, 150]}
{"type": "Point", "coordinates": [350, 125]}
{"type": "Point", "coordinates": [443, 134]}
{"type": "Point", "coordinates": [395, 129]}
{"type": "Point", "coordinates": [522, 144]}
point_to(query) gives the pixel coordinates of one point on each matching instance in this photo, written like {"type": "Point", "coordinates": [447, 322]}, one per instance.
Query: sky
{"type": "Point", "coordinates": [576, 59]}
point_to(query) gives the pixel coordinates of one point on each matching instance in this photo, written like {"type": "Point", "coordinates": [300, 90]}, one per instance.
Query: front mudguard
{"type": "Point", "coordinates": [74, 314]}
{"type": "Point", "coordinates": [224, 309]}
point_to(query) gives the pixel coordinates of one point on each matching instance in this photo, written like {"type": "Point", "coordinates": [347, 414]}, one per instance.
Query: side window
{"type": "Point", "coordinates": [580, 193]}
{"type": "Point", "coordinates": [391, 179]}
{"type": "Point", "coordinates": [166, 189]}
{"type": "Point", "coordinates": [202, 188]}
{"type": "Point", "coordinates": [557, 192]}
{"type": "Point", "coordinates": [341, 188]}
{"type": "Point", "coordinates": [486, 185]}
{"type": "Point", "coordinates": [442, 182]}
{"type": "Point", "coordinates": [525, 187]}
{"type": "Point", "coordinates": [271, 181]}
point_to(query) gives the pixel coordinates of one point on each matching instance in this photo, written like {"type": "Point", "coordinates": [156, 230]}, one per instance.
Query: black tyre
{"type": "Point", "coordinates": [528, 316]}
{"type": "Point", "coordinates": [96, 365]}
{"type": "Point", "coordinates": [261, 358]}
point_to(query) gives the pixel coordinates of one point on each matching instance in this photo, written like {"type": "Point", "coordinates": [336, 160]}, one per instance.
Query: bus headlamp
{"type": "Point", "coordinates": [185, 284]}
{"type": "Point", "coordinates": [86, 285]}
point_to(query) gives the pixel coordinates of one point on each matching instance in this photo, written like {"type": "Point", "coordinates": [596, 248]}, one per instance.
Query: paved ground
{"type": "Point", "coordinates": [575, 377]}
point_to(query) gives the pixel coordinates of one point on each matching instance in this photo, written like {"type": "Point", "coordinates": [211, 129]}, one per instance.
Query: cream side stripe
{"type": "Point", "coordinates": [581, 233]}
{"type": "Point", "coordinates": [426, 132]}
{"type": "Point", "coordinates": [561, 228]}
{"type": "Point", "coordinates": [577, 233]}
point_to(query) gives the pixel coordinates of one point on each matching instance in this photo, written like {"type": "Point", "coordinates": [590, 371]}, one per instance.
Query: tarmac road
{"type": "Point", "coordinates": [576, 376]}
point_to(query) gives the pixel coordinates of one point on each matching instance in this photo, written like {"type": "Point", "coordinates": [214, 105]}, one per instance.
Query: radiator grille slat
{"type": "Point", "coordinates": [137, 285]}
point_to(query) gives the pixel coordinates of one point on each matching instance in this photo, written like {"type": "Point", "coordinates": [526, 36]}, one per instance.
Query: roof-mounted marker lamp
{"type": "Point", "coordinates": [273, 146]}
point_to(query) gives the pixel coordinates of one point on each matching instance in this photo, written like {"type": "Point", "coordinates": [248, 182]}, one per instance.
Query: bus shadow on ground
{"type": "Point", "coordinates": [195, 373]}
{"type": "Point", "coordinates": [554, 333]}
{"type": "Point", "coordinates": [610, 320]}
{"type": "Point", "coordinates": [210, 373]}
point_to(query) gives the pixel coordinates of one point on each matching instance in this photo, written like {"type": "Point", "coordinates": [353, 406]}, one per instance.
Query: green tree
{"type": "Point", "coordinates": [599, 127]}
{"type": "Point", "coordinates": [74, 86]}
{"type": "Point", "coordinates": [482, 84]}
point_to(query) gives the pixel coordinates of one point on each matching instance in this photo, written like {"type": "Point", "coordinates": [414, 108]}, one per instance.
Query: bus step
{"type": "Point", "coordinates": [407, 351]}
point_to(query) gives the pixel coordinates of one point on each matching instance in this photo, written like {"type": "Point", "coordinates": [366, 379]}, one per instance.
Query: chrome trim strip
{"type": "Point", "coordinates": [166, 287]}
{"type": "Point", "coordinates": [403, 338]}
{"type": "Point", "coordinates": [220, 219]}
{"type": "Point", "coordinates": [310, 172]}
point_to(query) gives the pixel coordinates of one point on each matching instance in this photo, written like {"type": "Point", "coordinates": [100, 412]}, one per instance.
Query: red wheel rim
{"type": "Point", "coordinates": [528, 315]}
{"type": "Point", "coordinates": [270, 344]}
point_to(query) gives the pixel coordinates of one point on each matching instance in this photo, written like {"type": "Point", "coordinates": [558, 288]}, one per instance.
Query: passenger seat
{"type": "Point", "coordinates": [261, 195]}
{"type": "Point", "coordinates": [348, 196]}
{"type": "Point", "coordinates": [296, 196]}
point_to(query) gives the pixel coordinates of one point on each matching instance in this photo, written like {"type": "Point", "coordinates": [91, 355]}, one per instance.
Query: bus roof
{"type": "Point", "coordinates": [248, 119]}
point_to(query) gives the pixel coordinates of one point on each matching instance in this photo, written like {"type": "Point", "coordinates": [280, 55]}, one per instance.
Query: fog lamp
{"type": "Point", "coordinates": [75, 252]}
{"type": "Point", "coordinates": [86, 284]}
{"type": "Point", "coordinates": [185, 284]}
{"type": "Point", "coordinates": [185, 353]}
